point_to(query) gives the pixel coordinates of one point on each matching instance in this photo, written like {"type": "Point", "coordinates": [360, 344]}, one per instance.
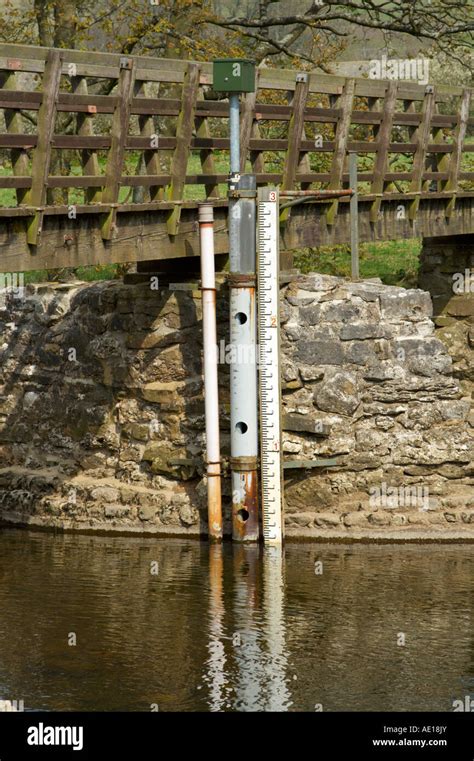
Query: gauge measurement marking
{"type": "Point", "coordinates": [269, 368]}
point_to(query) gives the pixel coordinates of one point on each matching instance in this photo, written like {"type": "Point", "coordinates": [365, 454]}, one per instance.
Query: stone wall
{"type": "Point", "coordinates": [102, 415]}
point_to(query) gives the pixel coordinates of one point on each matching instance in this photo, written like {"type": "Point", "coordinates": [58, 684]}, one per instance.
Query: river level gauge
{"type": "Point", "coordinates": [268, 271]}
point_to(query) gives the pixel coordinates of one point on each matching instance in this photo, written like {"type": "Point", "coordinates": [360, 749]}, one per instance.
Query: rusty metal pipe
{"type": "Point", "coordinates": [316, 193]}
{"type": "Point", "coordinates": [211, 391]}
{"type": "Point", "coordinates": [244, 499]}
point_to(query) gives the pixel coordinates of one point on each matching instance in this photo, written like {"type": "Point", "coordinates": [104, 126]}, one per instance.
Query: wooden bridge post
{"type": "Point", "coordinates": [295, 134]}
{"type": "Point", "coordinates": [119, 132]}
{"type": "Point", "coordinates": [340, 145]}
{"type": "Point", "coordinates": [184, 133]}
{"type": "Point", "coordinates": [422, 135]}
{"type": "Point", "coordinates": [42, 153]}
{"type": "Point", "coordinates": [383, 135]}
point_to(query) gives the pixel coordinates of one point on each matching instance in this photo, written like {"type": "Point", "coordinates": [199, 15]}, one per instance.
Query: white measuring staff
{"type": "Point", "coordinates": [268, 270]}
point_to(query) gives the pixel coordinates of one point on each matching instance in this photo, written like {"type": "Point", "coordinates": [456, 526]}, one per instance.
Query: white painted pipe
{"type": "Point", "coordinates": [211, 390]}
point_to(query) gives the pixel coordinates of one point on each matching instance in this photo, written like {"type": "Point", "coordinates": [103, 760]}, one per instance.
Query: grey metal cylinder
{"type": "Point", "coordinates": [243, 370]}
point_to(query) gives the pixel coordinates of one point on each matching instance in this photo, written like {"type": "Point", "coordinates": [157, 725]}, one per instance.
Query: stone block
{"type": "Point", "coordinates": [327, 520]}
{"type": "Point", "coordinates": [147, 512]}
{"type": "Point", "coordinates": [320, 352]}
{"type": "Point", "coordinates": [338, 393]}
{"type": "Point", "coordinates": [117, 511]}
{"type": "Point", "coordinates": [311, 315]}
{"type": "Point", "coordinates": [105, 494]}
{"type": "Point", "coordinates": [304, 424]}
{"type": "Point", "coordinates": [356, 519]}
{"type": "Point", "coordinates": [361, 331]}
{"type": "Point", "coordinates": [397, 305]}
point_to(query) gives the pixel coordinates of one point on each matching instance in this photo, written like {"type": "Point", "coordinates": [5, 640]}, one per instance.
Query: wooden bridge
{"type": "Point", "coordinates": [105, 157]}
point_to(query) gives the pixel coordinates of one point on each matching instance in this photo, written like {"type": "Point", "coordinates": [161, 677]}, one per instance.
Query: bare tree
{"type": "Point", "coordinates": [446, 24]}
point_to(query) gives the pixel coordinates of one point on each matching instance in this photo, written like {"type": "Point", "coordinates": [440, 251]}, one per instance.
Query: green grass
{"type": "Point", "coordinates": [88, 274]}
{"type": "Point", "coordinates": [395, 262]}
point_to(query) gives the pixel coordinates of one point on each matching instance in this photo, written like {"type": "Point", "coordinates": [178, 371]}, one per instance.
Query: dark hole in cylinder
{"type": "Point", "coordinates": [241, 318]}
{"type": "Point", "coordinates": [241, 427]}
{"type": "Point", "coordinates": [243, 514]}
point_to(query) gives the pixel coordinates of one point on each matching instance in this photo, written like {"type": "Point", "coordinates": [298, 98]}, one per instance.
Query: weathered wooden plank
{"type": "Point", "coordinates": [184, 131]}
{"type": "Point", "coordinates": [105, 104]}
{"type": "Point", "coordinates": [91, 57]}
{"type": "Point", "coordinates": [63, 210]}
{"type": "Point", "coordinates": [459, 137]}
{"type": "Point", "coordinates": [422, 138]}
{"type": "Point", "coordinates": [304, 164]}
{"type": "Point", "coordinates": [85, 129]}
{"type": "Point", "coordinates": [295, 134]}
{"type": "Point", "coordinates": [79, 181]}
{"type": "Point", "coordinates": [9, 181]}
{"type": "Point", "coordinates": [105, 64]}
{"type": "Point", "coordinates": [119, 132]}
{"type": "Point", "coordinates": [383, 139]}
{"type": "Point", "coordinates": [42, 153]}
{"type": "Point", "coordinates": [14, 124]}
{"type": "Point", "coordinates": [126, 180]}
{"type": "Point", "coordinates": [172, 70]}
{"type": "Point", "coordinates": [341, 139]}
{"type": "Point", "coordinates": [135, 142]}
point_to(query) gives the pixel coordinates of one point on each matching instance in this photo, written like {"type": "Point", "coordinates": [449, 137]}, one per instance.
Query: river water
{"type": "Point", "coordinates": [140, 624]}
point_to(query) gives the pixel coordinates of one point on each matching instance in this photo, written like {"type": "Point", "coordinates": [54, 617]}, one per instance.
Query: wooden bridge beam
{"type": "Point", "coordinates": [143, 235]}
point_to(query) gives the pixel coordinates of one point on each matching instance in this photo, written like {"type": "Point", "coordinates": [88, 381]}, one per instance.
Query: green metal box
{"type": "Point", "coordinates": [233, 75]}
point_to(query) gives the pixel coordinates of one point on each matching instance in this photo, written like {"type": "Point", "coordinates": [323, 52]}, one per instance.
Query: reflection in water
{"type": "Point", "coordinates": [279, 698]}
{"type": "Point", "coordinates": [250, 674]}
{"type": "Point", "coordinates": [233, 628]}
{"type": "Point", "coordinates": [257, 660]}
{"type": "Point", "coordinates": [215, 664]}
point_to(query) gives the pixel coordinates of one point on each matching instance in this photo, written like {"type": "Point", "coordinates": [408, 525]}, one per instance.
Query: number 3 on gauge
{"type": "Point", "coordinates": [272, 196]}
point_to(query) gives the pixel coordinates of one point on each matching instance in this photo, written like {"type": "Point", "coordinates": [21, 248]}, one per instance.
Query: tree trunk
{"type": "Point", "coordinates": [43, 19]}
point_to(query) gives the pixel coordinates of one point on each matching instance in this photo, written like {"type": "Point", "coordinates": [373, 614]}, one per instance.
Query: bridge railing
{"type": "Point", "coordinates": [99, 133]}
